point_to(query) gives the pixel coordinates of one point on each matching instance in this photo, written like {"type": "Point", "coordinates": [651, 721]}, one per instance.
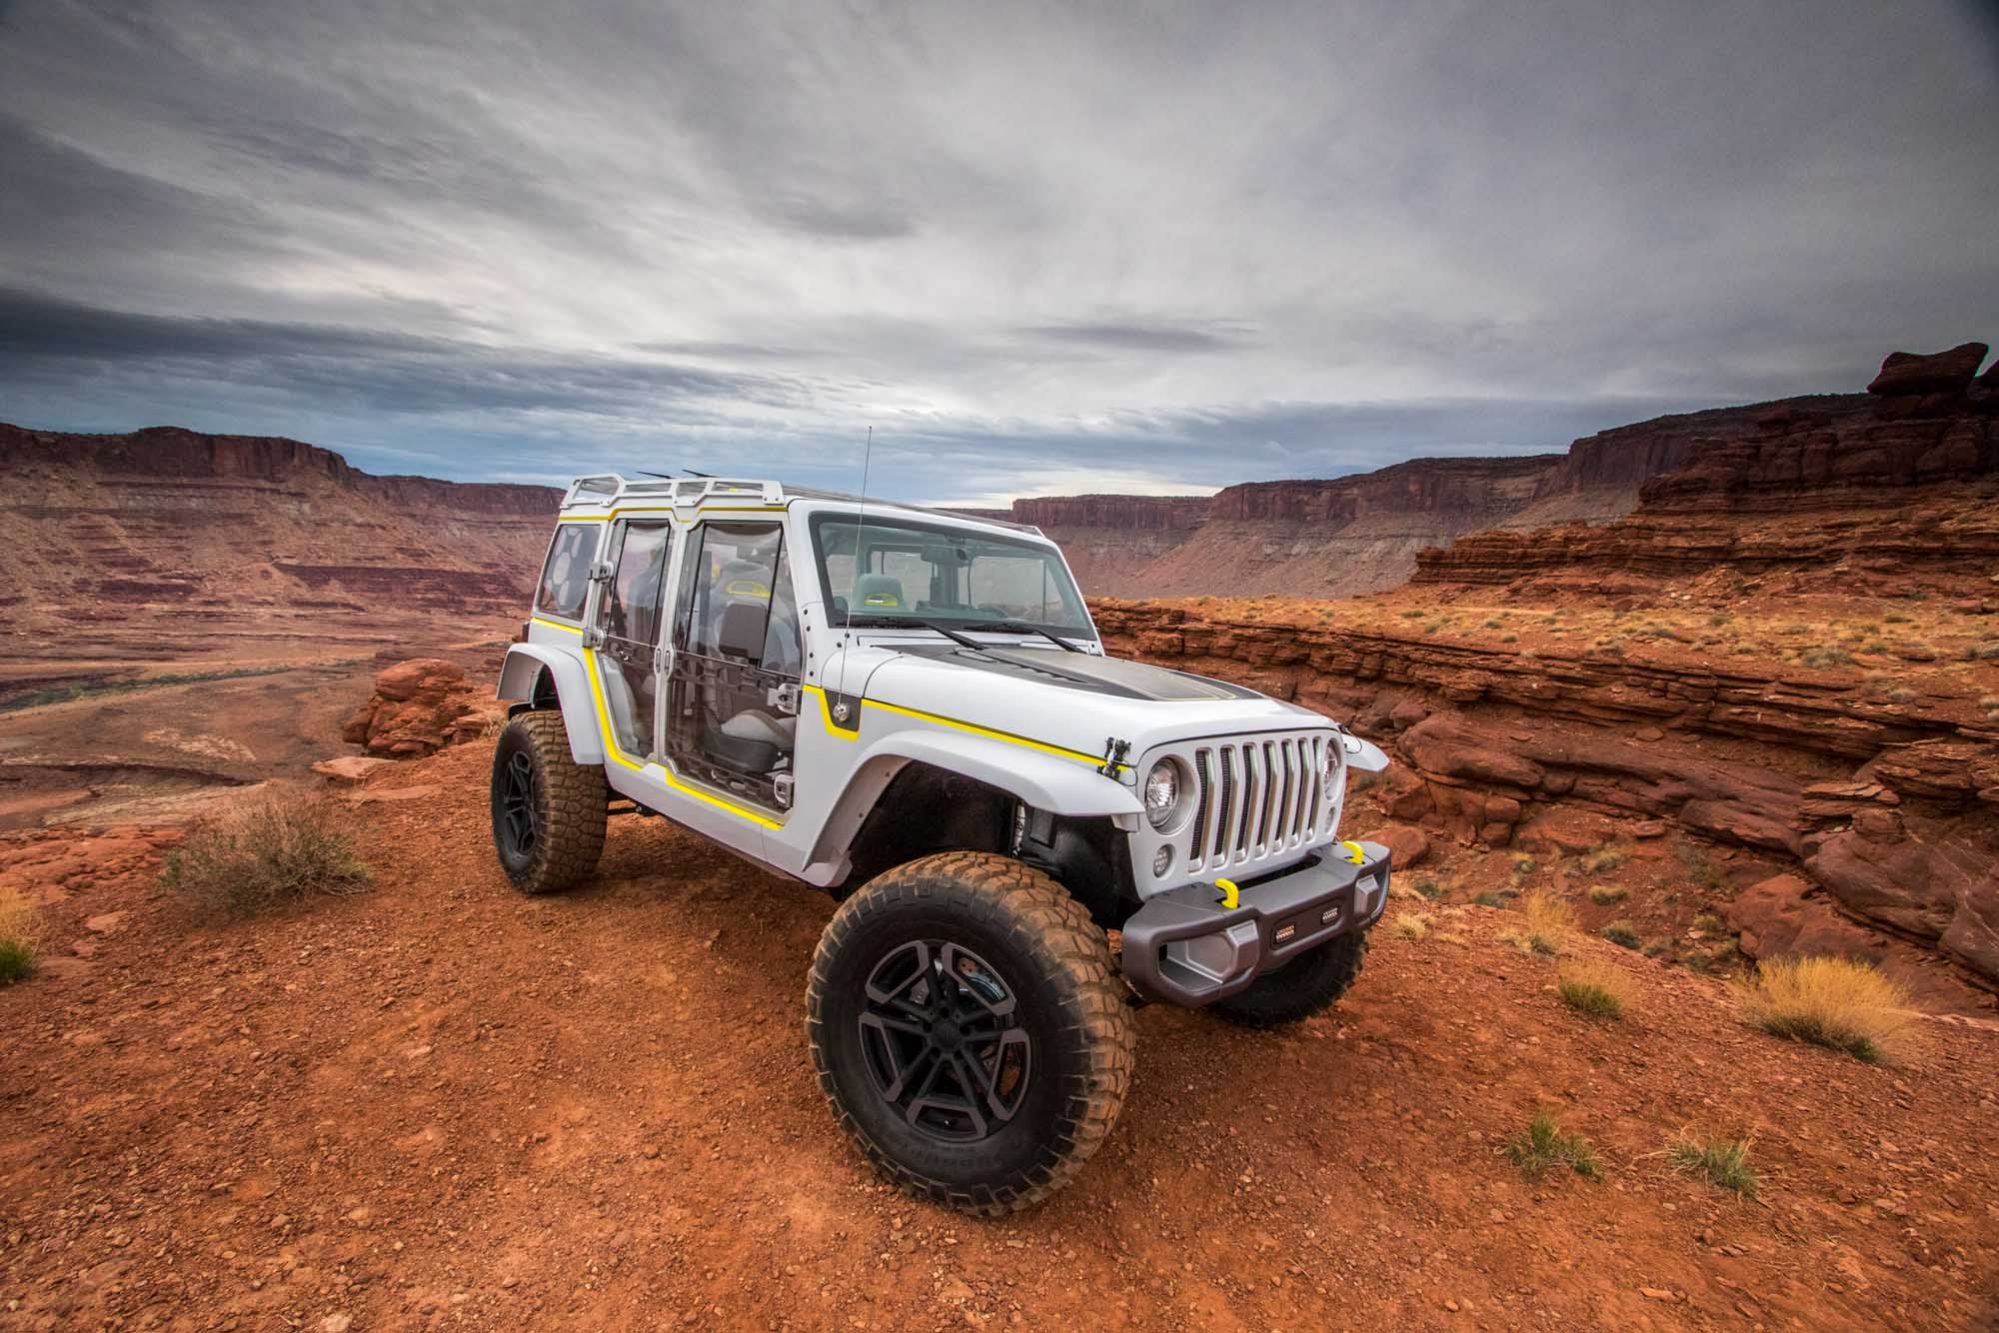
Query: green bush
{"type": "Point", "coordinates": [1543, 1146]}
{"type": "Point", "coordinates": [1723, 1163]}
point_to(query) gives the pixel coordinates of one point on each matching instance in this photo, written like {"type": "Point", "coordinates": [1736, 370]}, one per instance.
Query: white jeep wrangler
{"type": "Point", "coordinates": [911, 709]}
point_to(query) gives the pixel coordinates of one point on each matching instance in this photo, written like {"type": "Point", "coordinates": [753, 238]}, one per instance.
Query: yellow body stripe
{"type": "Point", "coordinates": [556, 624]}
{"type": "Point", "coordinates": [826, 716]}
{"type": "Point", "coordinates": [1059, 752]}
{"type": "Point", "coordinates": [591, 670]}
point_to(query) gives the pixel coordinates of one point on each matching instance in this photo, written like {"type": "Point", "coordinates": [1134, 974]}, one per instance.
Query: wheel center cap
{"type": "Point", "coordinates": [946, 1036]}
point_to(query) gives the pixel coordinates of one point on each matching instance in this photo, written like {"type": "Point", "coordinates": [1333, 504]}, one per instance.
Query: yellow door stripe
{"type": "Point", "coordinates": [556, 624]}
{"type": "Point", "coordinates": [592, 670]}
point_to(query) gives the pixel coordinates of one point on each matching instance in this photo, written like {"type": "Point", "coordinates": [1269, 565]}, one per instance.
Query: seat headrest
{"type": "Point", "coordinates": [875, 592]}
{"type": "Point", "coordinates": [741, 630]}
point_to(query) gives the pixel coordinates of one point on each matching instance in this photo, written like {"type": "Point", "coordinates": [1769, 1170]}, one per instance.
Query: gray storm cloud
{"type": "Point", "coordinates": [1034, 247]}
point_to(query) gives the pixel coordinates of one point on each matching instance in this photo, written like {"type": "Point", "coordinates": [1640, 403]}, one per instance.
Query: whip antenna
{"type": "Point", "coordinates": [860, 532]}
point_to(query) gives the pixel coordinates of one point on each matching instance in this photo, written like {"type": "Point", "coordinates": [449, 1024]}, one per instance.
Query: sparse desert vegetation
{"type": "Point", "coordinates": [1603, 895]}
{"type": "Point", "coordinates": [1595, 987]}
{"type": "Point", "coordinates": [1722, 1163]}
{"type": "Point", "coordinates": [20, 938]}
{"type": "Point", "coordinates": [1830, 1002]}
{"type": "Point", "coordinates": [1411, 926]}
{"type": "Point", "coordinates": [265, 853]}
{"type": "Point", "coordinates": [1543, 1146]}
{"type": "Point", "coordinates": [1623, 934]}
{"type": "Point", "coordinates": [1547, 922]}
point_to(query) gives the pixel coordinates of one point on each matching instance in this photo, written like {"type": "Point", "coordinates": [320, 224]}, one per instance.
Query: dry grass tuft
{"type": "Point", "coordinates": [1549, 923]}
{"type": "Point", "coordinates": [263, 854]}
{"type": "Point", "coordinates": [1411, 926]}
{"type": "Point", "coordinates": [1596, 988]}
{"type": "Point", "coordinates": [20, 938]}
{"type": "Point", "coordinates": [1723, 1163]}
{"type": "Point", "coordinates": [1603, 895]}
{"type": "Point", "coordinates": [1830, 1002]}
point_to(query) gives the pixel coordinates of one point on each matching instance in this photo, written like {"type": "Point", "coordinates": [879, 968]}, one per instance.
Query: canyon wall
{"type": "Point", "coordinates": [1363, 533]}
{"type": "Point", "coordinates": [1870, 493]}
{"type": "Point", "coordinates": [159, 536]}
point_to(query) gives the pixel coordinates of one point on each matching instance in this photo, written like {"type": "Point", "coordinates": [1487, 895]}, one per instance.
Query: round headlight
{"type": "Point", "coordinates": [1162, 793]}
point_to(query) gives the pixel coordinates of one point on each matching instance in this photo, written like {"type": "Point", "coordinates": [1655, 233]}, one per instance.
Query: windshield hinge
{"type": "Point", "coordinates": [1114, 752]}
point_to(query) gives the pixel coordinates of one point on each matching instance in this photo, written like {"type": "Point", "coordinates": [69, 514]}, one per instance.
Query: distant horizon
{"type": "Point", "coordinates": [996, 501]}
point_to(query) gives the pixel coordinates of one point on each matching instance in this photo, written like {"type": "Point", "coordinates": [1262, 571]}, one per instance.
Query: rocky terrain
{"type": "Point", "coordinates": [441, 1105]}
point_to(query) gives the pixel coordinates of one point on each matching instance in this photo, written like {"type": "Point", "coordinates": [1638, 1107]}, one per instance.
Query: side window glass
{"type": "Point", "coordinates": [732, 585]}
{"type": "Point", "coordinates": [565, 578]}
{"type": "Point", "coordinates": [631, 604]}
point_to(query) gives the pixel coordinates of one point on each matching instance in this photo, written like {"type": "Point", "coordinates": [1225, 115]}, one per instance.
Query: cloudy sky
{"type": "Point", "coordinates": [1038, 248]}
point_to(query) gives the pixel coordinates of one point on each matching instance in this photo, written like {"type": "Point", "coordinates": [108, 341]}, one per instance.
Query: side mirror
{"type": "Point", "coordinates": [1363, 755]}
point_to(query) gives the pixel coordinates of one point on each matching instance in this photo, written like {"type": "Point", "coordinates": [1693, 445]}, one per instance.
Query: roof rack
{"type": "Point", "coordinates": [609, 489]}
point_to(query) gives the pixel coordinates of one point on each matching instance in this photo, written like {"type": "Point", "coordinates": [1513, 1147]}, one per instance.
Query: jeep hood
{"type": "Point", "coordinates": [1075, 701]}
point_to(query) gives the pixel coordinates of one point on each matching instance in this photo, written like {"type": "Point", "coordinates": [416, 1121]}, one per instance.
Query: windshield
{"type": "Point", "coordinates": [886, 571]}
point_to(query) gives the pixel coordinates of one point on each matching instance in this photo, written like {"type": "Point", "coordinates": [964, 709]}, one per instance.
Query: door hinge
{"type": "Point", "coordinates": [781, 789]}
{"type": "Point", "coordinates": [784, 698]}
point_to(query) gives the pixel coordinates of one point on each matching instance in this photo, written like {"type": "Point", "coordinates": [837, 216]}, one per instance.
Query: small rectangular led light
{"type": "Point", "coordinates": [1285, 932]}
{"type": "Point", "coordinates": [1330, 915]}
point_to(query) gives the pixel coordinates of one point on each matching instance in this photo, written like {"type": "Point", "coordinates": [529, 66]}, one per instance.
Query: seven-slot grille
{"type": "Point", "coordinates": [1255, 797]}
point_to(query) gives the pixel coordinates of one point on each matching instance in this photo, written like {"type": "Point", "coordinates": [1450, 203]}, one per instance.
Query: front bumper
{"type": "Point", "coordinates": [1184, 947]}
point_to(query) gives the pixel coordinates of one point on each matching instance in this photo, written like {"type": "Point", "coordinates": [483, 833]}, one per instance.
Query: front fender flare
{"type": "Point", "coordinates": [1043, 781]}
{"type": "Point", "coordinates": [525, 664]}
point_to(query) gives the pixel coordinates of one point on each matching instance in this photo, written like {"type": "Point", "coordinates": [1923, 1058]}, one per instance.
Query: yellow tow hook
{"type": "Point", "coordinates": [1355, 853]}
{"type": "Point", "coordinates": [1231, 896]}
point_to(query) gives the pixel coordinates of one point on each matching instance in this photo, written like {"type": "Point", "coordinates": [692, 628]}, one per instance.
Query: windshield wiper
{"type": "Point", "coordinates": [1018, 627]}
{"type": "Point", "coordinates": [917, 622]}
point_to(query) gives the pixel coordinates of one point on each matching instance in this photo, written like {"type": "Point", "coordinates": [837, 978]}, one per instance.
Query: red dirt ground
{"type": "Point", "coordinates": [442, 1105]}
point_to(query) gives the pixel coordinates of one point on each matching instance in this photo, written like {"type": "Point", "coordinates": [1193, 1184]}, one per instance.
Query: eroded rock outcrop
{"type": "Point", "coordinates": [419, 707]}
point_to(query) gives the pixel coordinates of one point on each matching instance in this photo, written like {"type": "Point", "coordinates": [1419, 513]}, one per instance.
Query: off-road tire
{"type": "Point", "coordinates": [1058, 965]}
{"type": "Point", "coordinates": [569, 804]}
{"type": "Point", "coordinates": [1309, 984]}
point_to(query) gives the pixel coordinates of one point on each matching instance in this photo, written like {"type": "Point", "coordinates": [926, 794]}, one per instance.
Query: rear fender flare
{"type": "Point", "coordinates": [526, 664]}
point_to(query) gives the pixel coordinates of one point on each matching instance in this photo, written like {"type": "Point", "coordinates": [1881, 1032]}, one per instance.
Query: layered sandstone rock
{"type": "Point", "coordinates": [1890, 805]}
{"type": "Point", "coordinates": [1862, 497]}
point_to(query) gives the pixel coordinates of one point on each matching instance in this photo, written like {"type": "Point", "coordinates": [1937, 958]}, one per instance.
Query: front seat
{"type": "Point", "coordinates": [878, 592]}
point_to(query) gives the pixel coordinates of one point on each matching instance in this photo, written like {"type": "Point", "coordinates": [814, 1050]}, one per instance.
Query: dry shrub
{"type": "Point", "coordinates": [1596, 988]}
{"type": "Point", "coordinates": [1549, 923]}
{"type": "Point", "coordinates": [1831, 1002]}
{"type": "Point", "coordinates": [1411, 925]}
{"type": "Point", "coordinates": [262, 854]}
{"type": "Point", "coordinates": [20, 938]}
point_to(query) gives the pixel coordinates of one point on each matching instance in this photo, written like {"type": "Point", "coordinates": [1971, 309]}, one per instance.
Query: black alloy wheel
{"type": "Point", "coordinates": [941, 1038]}
{"type": "Point", "coordinates": [518, 824]}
